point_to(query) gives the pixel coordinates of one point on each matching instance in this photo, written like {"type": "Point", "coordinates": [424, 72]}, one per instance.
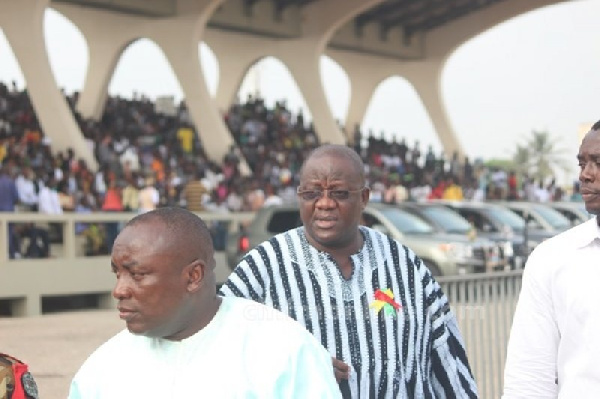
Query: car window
{"type": "Point", "coordinates": [450, 221]}
{"type": "Point", "coordinates": [532, 222]}
{"type": "Point", "coordinates": [283, 221]}
{"type": "Point", "coordinates": [553, 217]}
{"type": "Point", "coordinates": [478, 220]}
{"type": "Point", "coordinates": [407, 223]}
{"type": "Point", "coordinates": [506, 217]}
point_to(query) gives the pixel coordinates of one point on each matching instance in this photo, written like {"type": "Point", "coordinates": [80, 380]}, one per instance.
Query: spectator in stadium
{"type": "Point", "coordinates": [553, 350]}
{"type": "Point", "coordinates": [390, 336]}
{"type": "Point", "coordinates": [452, 191]}
{"type": "Point", "coordinates": [28, 193]}
{"type": "Point", "coordinates": [195, 192]}
{"type": "Point", "coordinates": [179, 330]}
{"type": "Point", "coordinates": [149, 196]}
{"type": "Point", "coordinates": [9, 197]}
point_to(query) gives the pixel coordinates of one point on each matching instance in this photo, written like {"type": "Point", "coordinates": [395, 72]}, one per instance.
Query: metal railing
{"type": "Point", "coordinates": [484, 305]}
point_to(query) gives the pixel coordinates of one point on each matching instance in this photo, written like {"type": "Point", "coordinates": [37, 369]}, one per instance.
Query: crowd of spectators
{"type": "Point", "coordinates": [148, 158]}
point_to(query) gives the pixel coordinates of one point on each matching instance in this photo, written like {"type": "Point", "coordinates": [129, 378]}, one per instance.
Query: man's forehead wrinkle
{"type": "Point", "coordinates": [328, 171]}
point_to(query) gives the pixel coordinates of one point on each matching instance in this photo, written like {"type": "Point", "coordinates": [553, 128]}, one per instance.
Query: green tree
{"type": "Point", "coordinates": [540, 157]}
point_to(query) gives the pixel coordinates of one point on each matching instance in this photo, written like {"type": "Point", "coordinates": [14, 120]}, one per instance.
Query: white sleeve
{"type": "Point", "coordinates": [310, 374]}
{"type": "Point", "coordinates": [531, 366]}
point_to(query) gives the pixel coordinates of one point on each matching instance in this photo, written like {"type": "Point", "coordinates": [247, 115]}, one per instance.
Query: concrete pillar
{"type": "Point", "coordinates": [31, 305]}
{"type": "Point", "coordinates": [23, 23]}
{"type": "Point", "coordinates": [179, 38]}
{"type": "Point", "coordinates": [236, 54]}
{"type": "Point", "coordinates": [303, 56]}
{"type": "Point", "coordinates": [425, 76]}
{"type": "Point", "coordinates": [180, 45]}
{"type": "Point", "coordinates": [107, 35]}
{"type": "Point", "coordinates": [365, 74]}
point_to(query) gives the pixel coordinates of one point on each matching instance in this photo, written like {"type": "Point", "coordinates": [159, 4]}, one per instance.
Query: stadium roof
{"type": "Point", "coordinates": [393, 28]}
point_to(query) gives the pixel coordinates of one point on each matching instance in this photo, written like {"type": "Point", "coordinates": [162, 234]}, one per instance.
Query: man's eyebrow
{"type": "Point", "coordinates": [127, 266]}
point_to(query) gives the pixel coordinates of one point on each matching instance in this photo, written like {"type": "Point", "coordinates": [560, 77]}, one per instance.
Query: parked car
{"type": "Point", "coordinates": [500, 223]}
{"type": "Point", "coordinates": [574, 211]}
{"type": "Point", "coordinates": [449, 221]}
{"type": "Point", "coordinates": [539, 216]}
{"type": "Point", "coordinates": [444, 254]}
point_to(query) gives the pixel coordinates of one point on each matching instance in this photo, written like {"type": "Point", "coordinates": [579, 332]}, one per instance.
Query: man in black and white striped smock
{"type": "Point", "coordinates": [367, 298]}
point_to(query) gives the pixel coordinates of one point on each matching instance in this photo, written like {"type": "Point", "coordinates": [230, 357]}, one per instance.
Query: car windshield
{"type": "Point", "coordinates": [407, 223]}
{"type": "Point", "coordinates": [450, 221]}
{"type": "Point", "coordinates": [553, 217]}
{"type": "Point", "coordinates": [506, 217]}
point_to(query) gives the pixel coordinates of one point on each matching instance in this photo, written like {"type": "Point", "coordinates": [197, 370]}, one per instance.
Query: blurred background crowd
{"type": "Point", "coordinates": [149, 159]}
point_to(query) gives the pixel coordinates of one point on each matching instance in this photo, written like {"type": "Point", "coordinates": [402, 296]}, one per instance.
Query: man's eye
{"type": "Point", "coordinates": [310, 195]}
{"type": "Point", "coordinates": [339, 194]}
{"type": "Point", "coordinates": [137, 275]}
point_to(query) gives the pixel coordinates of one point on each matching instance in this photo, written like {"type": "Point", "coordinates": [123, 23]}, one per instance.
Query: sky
{"type": "Point", "coordinates": [538, 71]}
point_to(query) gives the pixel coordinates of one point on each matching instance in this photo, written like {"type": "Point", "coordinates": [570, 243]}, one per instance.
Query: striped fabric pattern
{"type": "Point", "coordinates": [417, 352]}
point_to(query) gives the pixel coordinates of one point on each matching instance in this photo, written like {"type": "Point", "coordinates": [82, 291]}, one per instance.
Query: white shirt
{"type": "Point", "coordinates": [553, 351]}
{"type": "Point", "coordinates": [26, 190]}
{"type": "Point", "coordinates": [248, 350]}
{"type": "Point", "coordinates": [49, 202]}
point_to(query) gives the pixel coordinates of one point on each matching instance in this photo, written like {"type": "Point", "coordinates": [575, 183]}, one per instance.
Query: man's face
{"type": "Point", "coordinates": [151, 286]}
{"type": "Point", "coordinates": [331, 223]}
{"type": "Point", "coordinates": [589, 175]}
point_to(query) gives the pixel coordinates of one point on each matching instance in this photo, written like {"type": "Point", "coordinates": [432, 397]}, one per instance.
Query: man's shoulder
{"type": "Point", "coordinates": [574, 237]}
{"type": "Point", "coordinates": [110, 350]}
{"type": "Point", "coordinates": [257, 319]}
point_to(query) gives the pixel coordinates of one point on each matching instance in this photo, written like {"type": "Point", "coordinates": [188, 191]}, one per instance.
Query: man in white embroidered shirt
{"type": "Point", "coordinates": [369, 300]}
{"type": "Point", "coordinates": [184, 341]}
{"type": "Point", "coordinates": [553, 349]}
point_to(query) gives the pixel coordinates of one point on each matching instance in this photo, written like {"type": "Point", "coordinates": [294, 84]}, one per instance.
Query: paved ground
{"type": "Point", "coordinates": [55, 345]}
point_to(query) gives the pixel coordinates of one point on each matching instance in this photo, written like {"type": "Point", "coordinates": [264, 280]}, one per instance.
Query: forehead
{"type": "Point", "coordinates": [140, 239]}
{"type": "Point", "coordinates": [590, 146]}
{"type": "Point", "coordinates": [330, 167]}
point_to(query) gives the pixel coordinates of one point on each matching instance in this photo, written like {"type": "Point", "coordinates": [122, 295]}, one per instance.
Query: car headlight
{"type": "Point", "coordinates": [457, 251]}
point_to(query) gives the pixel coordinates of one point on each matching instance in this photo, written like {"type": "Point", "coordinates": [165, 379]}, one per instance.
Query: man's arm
{"type": "Point", "coordinates": [310, 374]}
{"type": "Point", "coordinates": [531, 369]}
{"type": "Point", "coordinates": [450, 370]}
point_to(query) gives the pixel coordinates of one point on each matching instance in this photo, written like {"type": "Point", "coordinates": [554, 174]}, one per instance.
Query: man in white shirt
{"type": "Point", "coordinates": [184, 341]}
{"type": "Point", "coordinates": [553, 349]}
{"type": "Point", "coordinates": [26, 189]}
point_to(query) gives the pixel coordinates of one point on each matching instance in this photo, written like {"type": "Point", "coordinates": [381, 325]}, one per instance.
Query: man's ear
{"type": "Point", "coordinates": [366, 193]}
{"type": "Point", "coordinates": [195, 275]}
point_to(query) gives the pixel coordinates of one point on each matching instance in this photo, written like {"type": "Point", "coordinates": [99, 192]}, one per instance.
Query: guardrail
{"type": "Point", "coordinates": [484, 305]}
{"type": "Point", "coordinates": [25, 284]}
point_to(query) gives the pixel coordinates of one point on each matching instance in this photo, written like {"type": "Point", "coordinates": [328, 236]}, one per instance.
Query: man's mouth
{"type": "Point", "coordinates": [125, 314]}
{"type": "Point", "coordinates": [324, 223]}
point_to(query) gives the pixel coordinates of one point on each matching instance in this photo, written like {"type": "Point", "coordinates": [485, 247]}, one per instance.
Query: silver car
{"type": "Point", "coordinates": [444, 254]}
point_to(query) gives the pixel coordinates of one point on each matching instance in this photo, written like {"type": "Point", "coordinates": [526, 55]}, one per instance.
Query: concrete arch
{"type": "Point", "coordinates": [130, 59]}
{"type": "Point", "coordinates": [179, 37]}
{"type": "Point", "coordinates": [338, 91]}
{"type": "Point", "coordinates": [264, 69]}
{"type": "Point", "coordinates": [73, 42]}
{"type": "Point", "coordinates": [404, 100]}
{"type": "Point", "coordinates": [425, 74]}
{"type": "Point", "coordinates": [22, 23]}
{"type": "Point", "coordinates": [210, 67]}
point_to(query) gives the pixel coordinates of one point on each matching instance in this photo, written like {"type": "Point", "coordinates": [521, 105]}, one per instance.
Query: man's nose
{"type": "Point", "coordinates": [122, 288]}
